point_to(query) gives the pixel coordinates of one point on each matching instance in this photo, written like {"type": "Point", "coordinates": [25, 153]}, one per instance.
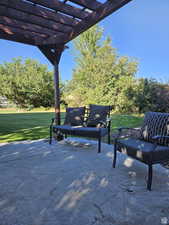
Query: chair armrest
{"type": "Point", "coordinates": [130, 132]}
{"type": "Point", "coordinates": [157, 137]}
{"type": "Point", "coordinates": [120, 129]}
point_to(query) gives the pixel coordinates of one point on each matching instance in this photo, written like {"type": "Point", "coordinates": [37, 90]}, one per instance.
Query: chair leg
{"type": "Point", "coordinates": [150, 176]}
{"type": "Point", "coordinates": [50, 139]}
{"type": "Point", "coordinates": [115, 155]}
{"type": "Point", "coordinates": [99, 145]}
{"type": "Point", "coordinates": [108, 138]}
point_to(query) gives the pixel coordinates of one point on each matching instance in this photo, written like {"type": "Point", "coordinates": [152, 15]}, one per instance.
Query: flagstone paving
{"type": "Point", "coordinates": [64, 184]}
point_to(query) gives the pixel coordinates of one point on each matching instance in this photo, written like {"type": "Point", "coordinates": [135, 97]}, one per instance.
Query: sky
{"type": "Point", "coordinates": [139, 30]}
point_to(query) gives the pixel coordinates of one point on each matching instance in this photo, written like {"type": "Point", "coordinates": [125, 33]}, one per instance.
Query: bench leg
{"type": "Point", "coordinates": [99, 145]}
{"type": "Point", "coordinates": [150, 176]}
{"type": "Point", "coordinates": [115, 155]}
{"type": "Point", "coordinates": [50, 138]}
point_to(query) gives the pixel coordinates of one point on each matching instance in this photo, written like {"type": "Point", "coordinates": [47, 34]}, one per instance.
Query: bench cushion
{"type": "Point", "coordinates": [155, 123]}
{"type": "Point", "coordinates": [142, 150]}
{"type": "Point", "coordinates": [92, 132]}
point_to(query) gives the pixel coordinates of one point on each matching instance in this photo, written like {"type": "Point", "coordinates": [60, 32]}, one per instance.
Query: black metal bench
{"type": "Point", "coordinates": [92, 122]}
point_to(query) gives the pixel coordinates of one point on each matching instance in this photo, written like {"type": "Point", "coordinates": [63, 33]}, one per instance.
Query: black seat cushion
{"type": "Point", "coordinates": [81, 131]}
{"type": "Point", "coordinates": [142, 150]}
{"type": "Point", "coordinates": [97, 113]}
{"type": "Point", "coordinates": [155, 123]}
{"type": "Point", "coordinates": [74, 116]}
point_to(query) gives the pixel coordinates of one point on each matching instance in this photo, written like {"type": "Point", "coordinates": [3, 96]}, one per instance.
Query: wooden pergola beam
{"type": "Point", "coordinates": [61, 7]}
{"type": "Point", "coordinates": [50, 55]}
{"type": "Point", "coordinates": [38, 11]}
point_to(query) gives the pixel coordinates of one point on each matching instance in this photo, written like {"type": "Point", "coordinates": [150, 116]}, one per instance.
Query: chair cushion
{"type": "Point", "coordinates": [97, 113]}
{"type": "Point", "coordinates": [155, 123]}
{"type": "Point", "coordinates": [92, 132]}
{"type": "Point", "coordinates": [74, 116]}
{"type": "Point", "coordinates": [143, 151]}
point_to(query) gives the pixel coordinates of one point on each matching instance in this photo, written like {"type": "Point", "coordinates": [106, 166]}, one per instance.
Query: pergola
{"type": "Point", "coordinates": [51, 24]}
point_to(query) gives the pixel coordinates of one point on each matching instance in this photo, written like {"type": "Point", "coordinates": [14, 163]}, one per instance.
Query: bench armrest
{"type": "Point", "coordinates": [102, 124]}
{"type": "Point", "coordinates": [52, 122]}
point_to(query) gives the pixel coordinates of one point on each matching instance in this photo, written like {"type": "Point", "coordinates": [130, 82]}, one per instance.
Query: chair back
{"type": "Point", "coordinates": [155, 123]}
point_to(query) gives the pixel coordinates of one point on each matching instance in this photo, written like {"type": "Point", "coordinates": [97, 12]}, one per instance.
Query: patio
{"type": "Point", "coordinates": [62, 184]}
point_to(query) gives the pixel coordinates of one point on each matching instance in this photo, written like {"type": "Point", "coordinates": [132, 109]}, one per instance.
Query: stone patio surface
{"type": "Point", "coordinates": [62, 184]}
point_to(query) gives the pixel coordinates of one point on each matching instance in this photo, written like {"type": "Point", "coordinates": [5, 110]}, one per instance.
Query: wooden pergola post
{"type": "Point", "coordinates": [54, 55]}
{"type": "Point", "coordinates": [57, 93]}
{"type": "Point", "coordinates": [56, 85]}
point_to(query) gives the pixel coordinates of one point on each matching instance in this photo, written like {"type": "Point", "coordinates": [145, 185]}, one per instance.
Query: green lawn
{"type": "Point", "coordinates": [35, 125]}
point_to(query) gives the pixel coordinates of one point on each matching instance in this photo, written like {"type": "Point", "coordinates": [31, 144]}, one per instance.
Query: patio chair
{"type": "Point", "coordinates": [92, 122]}
{"type": "Point", "coordinates": [149, 144]}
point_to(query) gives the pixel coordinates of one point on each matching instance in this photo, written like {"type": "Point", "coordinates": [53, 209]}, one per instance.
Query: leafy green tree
{"type": "Point", "coordinates": [151, 95]}
{"type": "Point", "coordinates": [27, 84]}
{"type": "Point", "coordinates": [100, 76]}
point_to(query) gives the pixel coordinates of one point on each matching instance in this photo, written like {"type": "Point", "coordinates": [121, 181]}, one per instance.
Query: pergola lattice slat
{"type": "Point", "coordinates": [34, 20]}
{"type": "Point", "coordinates": [103, 11]}
{"type": "Point", "coordinates": [26, 26]}
{"type": "Point", "coordinates": [60, 6]}
{"type": "Point", "coordinates": [38, 11]}
{"type": "Point", "coordinates": [50, 25]}
{"type": "Point", "coordinates": [15, 32]}
{"type": "Point", "coordinates": [93, 5]}
{"type": "Point", "coordinates": [17, 38]}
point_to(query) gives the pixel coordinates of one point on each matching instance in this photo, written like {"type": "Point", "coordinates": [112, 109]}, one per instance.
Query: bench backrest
{"type": "Point", "coordinates": [75, 116]}
{"type": "Point", "coordinates": [97, 114]}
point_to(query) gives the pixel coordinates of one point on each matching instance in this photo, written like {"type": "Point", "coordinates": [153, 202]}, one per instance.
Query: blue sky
{"type": "Point", "coordinates": [139, 30]}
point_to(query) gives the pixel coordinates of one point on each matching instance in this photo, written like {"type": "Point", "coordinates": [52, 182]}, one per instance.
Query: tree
{"type": "Point", "coordinates": [27, 84]}
{"type": "Point", "coordinates": [151, 95]}
{"type": "Point", "coordinates": [100, 76]}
